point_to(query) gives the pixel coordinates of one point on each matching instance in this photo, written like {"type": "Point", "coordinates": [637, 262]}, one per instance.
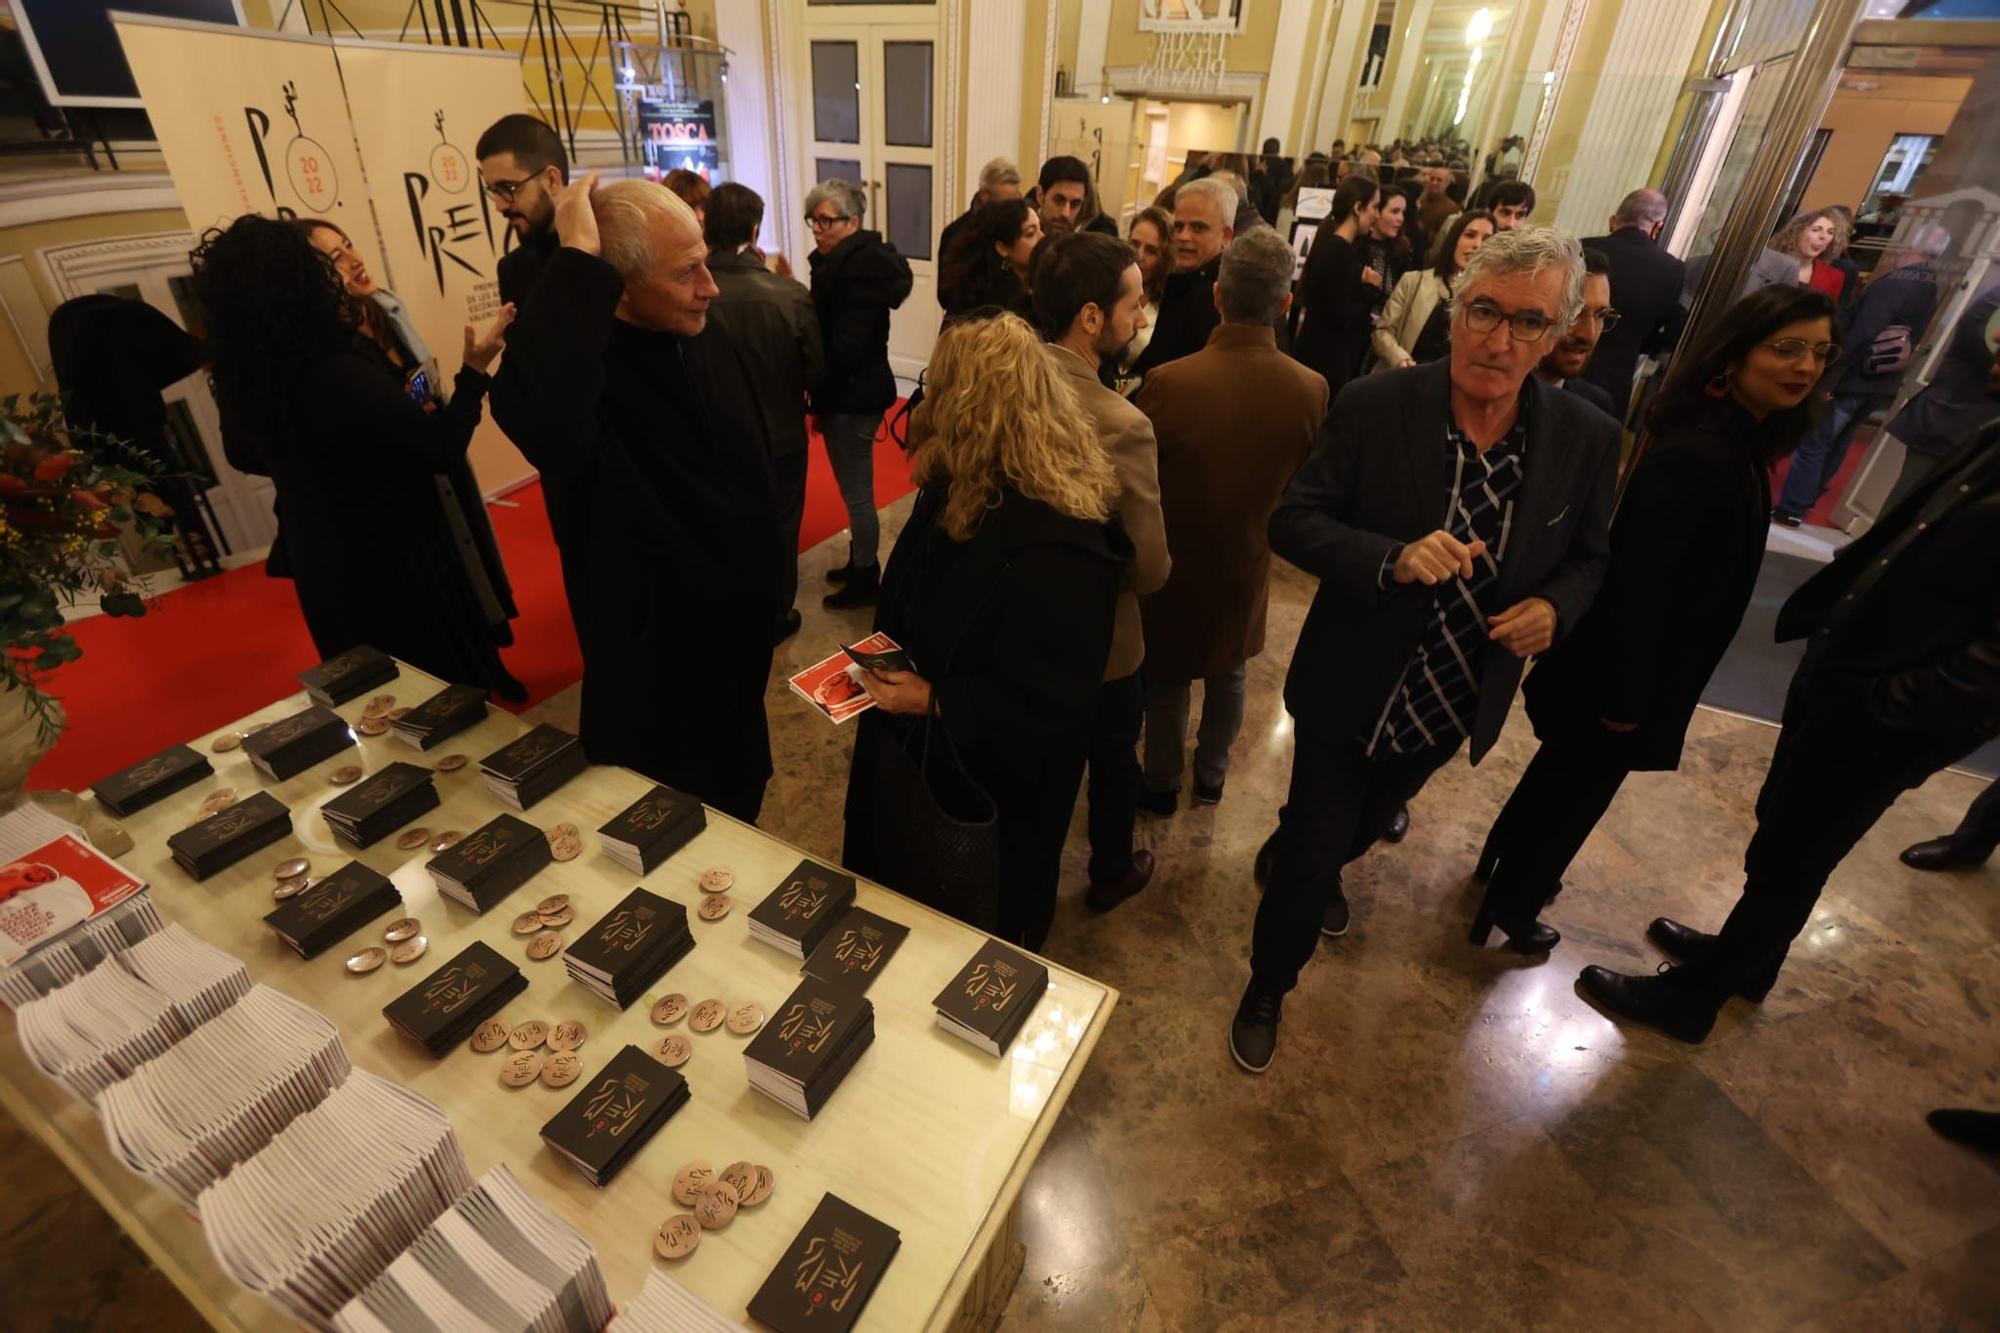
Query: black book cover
{"type": "Point", "coordinates": [523, 755]}
{"type": "Point", "coordinates": [810, 1029]}
{"type": "Point", "coordinates": [133, 789]}
{"type": "Point", "coordinates": [856, 949]}
{"type": "Point", "coordinates": [376, 792]}
{"type": "Point", "coordinates": [616, 1111]}
{"type": "Point", "coordinates": [635, 932]}
{"type": "Point", "coordinates": [807, 904]}
{"type": "Point", "coordinates": [994, 993]}
{"type": "Point", "coordinates": [293, 744]}
{"type": "Point", "coordinates": [658, 824]}
{"type": "Point", "coordinates": [458, 992]}
{"type": "Point", "coordinates": [891, 659]}
{"type": "Point", "coordinates": [490, 846]}
{"type": "Point", "coordinates": [258, 820]}
{"type": "Point", "coordinates": [828, 1273]}
{"type": "Point", "coordinates": [334, 908]}
{"type": "Point", "coordinates": [341, 677]}
{"type": "Point", "coordinates": [443, 715]}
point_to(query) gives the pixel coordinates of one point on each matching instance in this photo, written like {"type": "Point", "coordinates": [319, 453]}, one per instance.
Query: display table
{"type": "Point", "coordinates": [927, 1134]}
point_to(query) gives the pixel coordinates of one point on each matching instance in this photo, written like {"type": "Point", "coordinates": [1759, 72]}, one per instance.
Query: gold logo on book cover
{"type": "Point", "coordinates": [483, 847]}
{"type": "Point", "coordinates": [991, 986]}
{"type": "Point", "coordinates": [804, 897]}
{"type": "Point", "coordinates": [830, 1269]}
{"type": "Point", "coordinates": [614, 1104]}
{"type": "Point", "coordinates": [806, 1026]}
{"type": "Point", "coordinates": [321, 905]}
{"type": "Point", "coordinates": [625, 929]}
{"type": "Point", "coordinates": [530, 748]}
{"type": "Point", "coordinates": [649, 814]}
{"type": "Point", "coordinates": [231, 821]}
{"type": "Point", "coordinates": [150, 771]}
{"type": "Point", "coordinates": [859, 949]}
{"type": "Point", "coordinates": [289, 730]}
{"type": "Point", "coordinates": [452, 987]}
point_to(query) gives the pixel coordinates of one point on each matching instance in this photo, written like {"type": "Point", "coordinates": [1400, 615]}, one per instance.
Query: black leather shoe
{"type": "Point", "coordinates": [1207, 795]}
{"type": "Point", "coordinates": [510, 689]}
{"type": "Point", "coordinates": [1161, 803]}
{"type": "Point", "coordinates": [862, 588]}
{"type": "Point", "coordinates": [1974, 1129]}
{"type": "Point", "coordinates": [1664, 1001]}
{"type": "Point", "coordinates": [1399, 825]}
{"type": "Point", "coordinates": [840, 573]}
{"type": "Point", "coordinates": [787, 627]}
{"type": "Point", "coordinates": [1528, 937]}
{"type": "Point", "coordinates": [1946, 853]}
{"type": "Point", "coordinates": [1333, 921]}
{"type": "Point", "coordinates": [1103, 895]}
{"type": "Point", "coordinates": [1690, 946]}
{"type": "Point", "coordinates": [1788, 520]}
{"type": "Point", "coordinates": [1253, 1033]}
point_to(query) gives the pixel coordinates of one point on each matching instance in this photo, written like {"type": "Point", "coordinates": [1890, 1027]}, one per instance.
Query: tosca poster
{"type": "Point", "coordinates": [676, 134]}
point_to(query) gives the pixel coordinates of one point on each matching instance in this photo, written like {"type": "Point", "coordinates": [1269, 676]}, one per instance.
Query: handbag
{"type": "Point", "coordinates": [1891, 351]}
{"type": "Point", "coordinates": [936, 830]}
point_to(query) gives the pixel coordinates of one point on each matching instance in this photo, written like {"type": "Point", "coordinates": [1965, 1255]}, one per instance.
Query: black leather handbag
{"type": "Point", "coordinates": [936, 830]}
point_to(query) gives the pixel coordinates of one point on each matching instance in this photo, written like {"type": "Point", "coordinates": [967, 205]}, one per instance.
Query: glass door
{"type": "Point", "coordinates": [873, 121]}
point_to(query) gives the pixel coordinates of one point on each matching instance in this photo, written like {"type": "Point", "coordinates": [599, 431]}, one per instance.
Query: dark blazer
{"type": "Point", "coordinates": [521, 268]}
{"type": "Point", "coordinates": [1379, 480]}
{"type": "Point", "coordinates": [1906, 296]}
{"type": "Point", "coordinates": [1907, 616]}
{"type": "Point", "coordinates": [1685, 550]}
{"type": "Point", "coordinates": [1956, 402]}
{"type": "Point", "coordinates": [1335, 302]}
{"type": "Point", "coordinates": [771, 321]}
{"type": "Point", "coordinates": [1187, 316]}
{"type": "Point", "coordinates": [1646, 286]}
{"type": "Point", "coordinates": [1592, 394]}
{"type": "Point", "coordinates": [854, 288]}
{"type": "Point", "coordinates": [1011, 627]}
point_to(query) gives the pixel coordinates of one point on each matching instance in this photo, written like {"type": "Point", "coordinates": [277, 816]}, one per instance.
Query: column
{"type": "Point", "coordinates": [998, 32]}
{"type": "Point", "coordinates": [1407, 45]}
{"type": "Point", "coordinates": [1093, 27]}
{"type": "Point", "coordinates": [753, 131]}
{"type": "Point", "coordinates": [1291, 55]}
{"type": "Point", "coordinates": [1343, 68]}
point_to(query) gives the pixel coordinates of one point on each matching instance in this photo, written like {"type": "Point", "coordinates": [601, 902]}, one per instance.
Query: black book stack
{"type": "Point", "coordinates": [631, 948]}
{"type": "Point", "coordinates": [333, 909]}
{"type": "Point", "coordinates": [809, 1045]}
{"type": "Point", "coordinates": [352, 673]}
{"type": "Point", "coordinates": [369, 811]}
{"type": "Point", "coordinates": [652, 828]}
{"type": "Point", "coordinates": [226, 837]}
{"type": "Point", "coordinates": [614, 1113]}
{"type": "Point", "coordinates": [491, 862]}
{"type": "Point", "coordinates": [291, 745]}
{"type": "Point", "coordinates": [825, 1279]}
{"type": "Point", "coordinates": [133, 789]}
{"type": "Point", "coordinates": [528, 768]}
{"type": "Point", "coordinates": [991, 997]}
{"type": "Point", "coordinates": [441, 1011]}
{"type": "Point", "coordinates": [442, 716]}
{"type": "Point", "coordinates": [800, 912]}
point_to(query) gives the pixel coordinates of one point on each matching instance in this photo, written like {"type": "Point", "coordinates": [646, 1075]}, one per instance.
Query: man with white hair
{"type": "Point", "coordinates": [999, 179]}
{"type": "Point", "coordinates": [1204, 225]}
{"type": "Point", "coordinates": [640, 418]}
{"type": "Point", "coordinates": [1420, 629]}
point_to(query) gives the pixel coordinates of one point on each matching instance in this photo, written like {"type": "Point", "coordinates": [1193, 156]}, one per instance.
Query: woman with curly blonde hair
{"type": "Point", "coordinates": [1001, 590]}
{"type": "Point", "coordinates": [1813, 240]}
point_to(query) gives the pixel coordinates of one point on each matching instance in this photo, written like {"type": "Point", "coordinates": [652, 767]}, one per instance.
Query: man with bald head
{"type": "Point", "coordinates": [639, 415]}
{"type": "Point", "coordinates": [1646, 281]}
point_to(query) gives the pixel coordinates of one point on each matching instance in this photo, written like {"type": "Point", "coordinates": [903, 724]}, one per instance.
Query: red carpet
{"type": "Point", "coordinates": [1821, 514]}
{"type": "Point", "coordinates": [215, 650]}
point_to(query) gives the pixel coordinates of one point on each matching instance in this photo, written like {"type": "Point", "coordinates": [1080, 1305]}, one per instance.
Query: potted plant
{"type": "Point", "coordinates": [65, 495]}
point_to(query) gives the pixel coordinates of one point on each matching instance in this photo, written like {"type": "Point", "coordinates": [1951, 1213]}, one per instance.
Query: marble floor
{"type": "Point", "coordinates": [1449, 1138]}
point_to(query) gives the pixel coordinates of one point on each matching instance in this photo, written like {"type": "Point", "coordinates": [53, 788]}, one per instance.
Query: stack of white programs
{"type": "Point", "coordinates": [496, 1260]}
{"type": "Point", "coordinates": [665, 1306]}
{"type": "Point", "coordinates": [128, 1009]}
{"type": "Point", "coordinates": [64, 906]}
{"type": "Point", "coordinates": [184, 1119]}
{"type": "Point", "coordinates": [335, 1197]}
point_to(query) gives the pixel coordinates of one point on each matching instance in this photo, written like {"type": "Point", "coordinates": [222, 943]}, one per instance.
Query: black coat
{"type": "Point", "coordinates": [1646, 286]}
{"type": "Point", "coordinates": [1012, 628]}
{"type": "Point", "coordinates": [371, 557]}
{"type": "Point", "coordinates": [658, 483]}
{"type": "Point", "coordinates": [772, 322]}
{"type": "Point", "coordinates": [1377, 481]}
{"type": "Point", "coordinates": [1592, 394]}
{"type": "Point", "coordinates": [521, 267]}
{"type": "Point", "coordinates": [1957, 401]}
{"type": "Point", "coordinates": [1335, 309]}
{"type": "Point", "coordinates": [1685, 550]}
{"type": "Point", "coordinates": [1906, 619]}
{"type": "Point", "coordinates": [1187, 316]}
{"type": "Point", "coordinates": [854, 288]}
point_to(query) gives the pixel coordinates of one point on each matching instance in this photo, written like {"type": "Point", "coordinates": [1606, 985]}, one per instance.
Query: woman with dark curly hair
{"type": "Point", "coordinates": [987, 264]}
{"type": "Point", "coordinates": [355, 458]}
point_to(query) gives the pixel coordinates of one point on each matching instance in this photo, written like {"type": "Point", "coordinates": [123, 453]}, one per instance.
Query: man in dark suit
{"type": "Point", "coordinates": [1647, 283]}
{"type": "Point", "coordinates": [1563, 368]}
{"type": "Point", "coordinates": [522, 167]}
{"type": "Point", "coordinates": [1418, 634]}
{"type": "Point", "coordinates": [1204, 225]}
{"type": "Point", "coordinates": [1901, 677]}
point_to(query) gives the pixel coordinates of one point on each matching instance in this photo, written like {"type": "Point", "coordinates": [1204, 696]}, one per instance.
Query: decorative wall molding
{"type": "Point", "coordinates": [782, 127]}
{"type": "Point", "coordinates": [953, 165]}
{"type": "Point", "coordinates": [72, 270]}
{"type": "Point", "coordinates": [86, 194]}
{"type": "Point", "coordinates": [999, 33]}
{"type": "Point", "coordinates": [1131, 81]}
{"type": "Point", "coordinates": [1565, 48]}
{"type": "Point", "coordinates": [1048, 82]}
{"type": "Point", "coordinates": [26, 315]}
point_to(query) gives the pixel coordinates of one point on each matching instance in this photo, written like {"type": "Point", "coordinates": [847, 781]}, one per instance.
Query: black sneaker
{"type": "Point", "coordinates": [1333, 922]}
{"type": "Point", "coordinates": [840, 573]}
{"type": "Point", "coordinates": [1780, 517]}
{"type": "Point", "coordinates": [862, 588]}
{"type": "Point", "coordinates": [1207, 795]}
{"type": "Point", "coordinates": [1161, 803]}
{"type": "Point", "coordinates": [1399, 825]}
{"type": "Point", "coordinates": [1253, 1033]}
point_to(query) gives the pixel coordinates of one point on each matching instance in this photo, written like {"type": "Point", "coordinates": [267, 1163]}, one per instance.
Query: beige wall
{"type": "Point", "coordinates": [1870, 109]}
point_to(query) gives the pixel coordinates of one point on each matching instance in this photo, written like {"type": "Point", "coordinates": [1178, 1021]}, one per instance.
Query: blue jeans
{"type": "Point", "coordinates": [850, 447]}
{"type": "Point", "coordinates": [1816, 462]}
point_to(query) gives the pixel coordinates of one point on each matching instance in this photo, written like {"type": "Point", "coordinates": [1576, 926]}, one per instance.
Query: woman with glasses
{"type": "Point", "coordinates": [857, 280]}
{"type": "Point", "coordinates": [1415, 328]}
{"type": "Point", "coordinates": [1339, 289]}
{"type": "Point", "coordinates": [986, 264]}
{"type": "Point", "coordinates": [1615, 695]}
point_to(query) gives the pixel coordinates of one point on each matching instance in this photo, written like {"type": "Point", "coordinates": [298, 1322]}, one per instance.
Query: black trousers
{"type": "Point", "coordinates": [1114, 775]}
{"type": "Point", "coordinates": [1835, 772]}
{"type": "Point", "coordinates": [788, 487]}
{"type": "Point", "coordinates": [1980, 829]}
{"type": "Point", "coordinates": [1339, 802]}
{"type": "Point", "coordinates": [1558, 801]}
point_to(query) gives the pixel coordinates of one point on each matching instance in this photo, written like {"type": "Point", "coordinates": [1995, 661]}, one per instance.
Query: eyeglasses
{"type": "Point", "coordinates": [1791, 349]}
{"type": "Point", "coordinates": [1607, 319]}
{"type": "Point", "coordinates": [505, 191]}
{"type": "Point", "coordinates": [820, 222]}
{"type": "Point", "coordinates": [1524, 326]}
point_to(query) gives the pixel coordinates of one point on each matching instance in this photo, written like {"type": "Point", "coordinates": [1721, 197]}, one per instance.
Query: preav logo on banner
{"type": "Point", "coordinates": [309, 169]}
{"type": "Point", "coordinates": [449, 226]}
{"type": "Point", "coordinates": [678, 135]}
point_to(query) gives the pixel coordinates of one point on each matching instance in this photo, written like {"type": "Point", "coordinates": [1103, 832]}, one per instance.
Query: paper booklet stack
{"type": "Point", "coordinates": [442, 716]}
{"type": "Point", "coordinates": [496, 1259]}
{"type": "Point", "coordinates": [530, 767]}
{"type": "Point", "coordinates": [184, 1119]}
{"type": "Point", "coordinates": [64, 906]}
{"type": "Point", "coordinates": [348, 675]}
{"type": "Point", "coordinates": [334, 1197]}
{"type": "Point", "coordinates": [665, 1306]}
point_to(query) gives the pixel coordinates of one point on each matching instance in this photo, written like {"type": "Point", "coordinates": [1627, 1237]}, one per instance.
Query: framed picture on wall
{"type": "Point", "coordinates": [1225, 16]}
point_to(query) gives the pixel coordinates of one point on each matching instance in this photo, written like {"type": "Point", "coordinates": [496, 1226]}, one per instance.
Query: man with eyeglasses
{"type": "Point", "coordinates": [522, 167]}
{"type": "Point", "coordinates": [1420, 628]}
{"type": "Point", "coordinates": [1564, 366]}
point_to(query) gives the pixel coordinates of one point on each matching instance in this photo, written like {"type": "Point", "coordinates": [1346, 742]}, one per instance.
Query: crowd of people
{"type": "Point", "coordinates": [1114, 437]}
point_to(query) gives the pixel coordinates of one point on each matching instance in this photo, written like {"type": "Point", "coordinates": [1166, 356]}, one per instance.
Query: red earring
{"type": "Point", "coordinates": [1717, 387]}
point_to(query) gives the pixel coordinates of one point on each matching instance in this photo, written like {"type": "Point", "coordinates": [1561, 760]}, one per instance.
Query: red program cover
{"type": "Point", "coordinates": [55, 888]}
